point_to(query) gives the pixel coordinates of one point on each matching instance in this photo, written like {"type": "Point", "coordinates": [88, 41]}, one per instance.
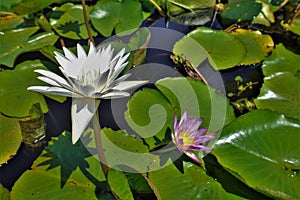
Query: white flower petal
{"type": "Point", "coordinates": [113, 83]}
{"type": "Point", "coordinates": [82, 112]}
{"type": "Point", "coordinates": [49, 81]}
{"type": "Point", "coordinates": [66, 64]}
{"type": "Point", "coordinates": [54, 90]}
{"type": "Point", "coordinates": [81, 52]}
{"type": "Point", "coordinates": [126, 85]}
{"type": "Point", "coordinates": [114, 73]}
{"type": "Point", "coordinates": [113, 95]}
{"type": "Point", "coordinates": [69, 54]}
{"type": "Point", "coordinates": [53, 76]}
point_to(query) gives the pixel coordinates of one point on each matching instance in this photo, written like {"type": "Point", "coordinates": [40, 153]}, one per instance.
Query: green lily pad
{"type": "Point", "coordinates": [31, 6]}
{"type": "Point", "coordinates": [16, 42]}
{"type": "Point", "coordinates": [126, 152]}
{"type": "Point", "coordinates": [64, 170]}
{"type": "Point", "coordinates": [4, 193]}
{"type": "Point", "coordinates": [258, 46]}
{"type": "Point", "coordinates": [261, 148]}
{"type": "Point", "coordinates": [138, 44]}
{"type": "Point", "coordinates": [68, 21]}
{"type": "Point", "coordinates": [199, 99]}
{"type": "Point", "coordinates": [10, 21]}
{"type": "Point", "coordinates": [6, 5]}
{"type": "Point", "coordinates": [241, 10]}
{"type": "Point", "coordinates": [281, 88]}
{"type": "Point", "coordinates": [222, 49]}
{"type": "Point", "coordinates": [274, 4]}
{"type": "Point", "coordinates": [189, 12]}
{"type": "Point", "coordinates": [10, 138]}
{"type": "Point", "coordinates": [138, 184]}
{"type": "Point", "coordinates": [149, 113]}
{"type": "Point", "coordinates": [170, 183]}
{"type": "Point", "coordinates": [119, 184]}
{"type": "Point", "coordinates": [294, 26]}
{"type": "Point", "coordinates": [15, 99]}
{"type": "Point", "coordinates": [121, 16]}
{"type": "Point", "coordinates": [265, 17]}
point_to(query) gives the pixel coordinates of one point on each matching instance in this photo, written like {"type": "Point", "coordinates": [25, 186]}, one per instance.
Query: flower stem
{"type": "Point", "coordinates": [98, 141]}
{"type": "Point", "coordinates": [86, 22]}
{"type": "Point", "coordinates": [157, 7]}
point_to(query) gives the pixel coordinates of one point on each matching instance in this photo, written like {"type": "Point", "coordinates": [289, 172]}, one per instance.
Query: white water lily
{"type": "Point", "coordinates": [87, 78]}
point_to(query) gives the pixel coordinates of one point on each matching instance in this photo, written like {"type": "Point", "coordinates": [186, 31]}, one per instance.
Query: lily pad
{"type": "Point", "coordinates": [189, 12]}
{"type": "Point", "coordinates": [126, 152]}
{"type": "Point", "coordinates": [119, 184]}
{"type": "Point", "coordinates": [10, 21]}
{"type": "Point", "coordinates": [31, 6]}
{"type": "Point", "coordinates": [257, 45]}
{"type": "Point", "coordinates": [294, 26]}
{"type": "Point", "coordinates": [149, 114]}
{"type": "Point", "coordinates": [10, 138]}
{"type": "Point", "coordinates": [170, 183]}
{"type": "Point", "coordinates": [121, 16]}
{"type": "Point", "coordinates": [6, 5]}
{"type": "Point", "coordinates": [4, 193]}
{"type": "Point", "coordinates": [281, 88]}
{"type": "Point", "coordinates": [261, 148]}
{"type": "Point", "coordinates": [15, 99]}
{"type": "Point", "coordinates": [68, 21]}
{"type": "Point", "coordinates": [266, 16]}
{"type": "Point", "coordinates": [241, 10]}
{"type": "Point", "coordinates": [64, 170]}
{"type": "Point", "coordinates": [16, 42]}
{"type": "Point", "coordinates": [222, 49]}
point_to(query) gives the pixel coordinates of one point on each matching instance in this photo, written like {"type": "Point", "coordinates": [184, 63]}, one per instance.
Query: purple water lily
{"type": "Point", "coordinates": [188, 137]}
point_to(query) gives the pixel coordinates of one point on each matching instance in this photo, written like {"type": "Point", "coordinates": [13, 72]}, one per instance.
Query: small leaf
{"type": "Point", "coordinates": [281, 88]}
{"type": "Point", "coordinates": [31, 6]}
{"type": "Point", "coordinates": [293, 25]}
{"type": "Point", "coordinates": [257, 45]}
{"type": "Point", "coordinates": [70, 23]}
{"type": "Point", "coordinates": [261, 148]}
{"type": "Point", "coordinates": [138, 44]}
{"type": "Point", "coordinates": [16, 100]}
{"type": "Point", "coordinates": [121, 16]}
{"type": "Point", "coordinates": [33, 127]}
{"type": "Point", "coordinates": [16, 42]}
{"type": "Point", "coordinates": [189, 12]}
{"type": "Point", "coordinates": [119, 185]}
{"type": "Point", "coordinates": [222, 49]}
{"type": "Point", "coordinates": [10, 21]}
{"type": "Point", "coordinates": [241, 10]}
{"type": "Point", "coordinates": [4, 193]}
{"type": "Point", "coordinates": [11, 138]}
{"type": "Point", "coordinates": [6, 5]}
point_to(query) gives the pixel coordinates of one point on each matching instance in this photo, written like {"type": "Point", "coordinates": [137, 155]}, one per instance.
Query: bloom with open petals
{"type": "Point", "coordinates": [87, 78]}
{"type": "Point", "coordinates": [188, 137]}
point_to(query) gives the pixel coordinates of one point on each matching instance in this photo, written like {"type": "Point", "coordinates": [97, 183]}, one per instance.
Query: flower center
{"type": "Point", "coordinates": [90, 77]}
{"type": "Point", "coordinates": [187, 139]}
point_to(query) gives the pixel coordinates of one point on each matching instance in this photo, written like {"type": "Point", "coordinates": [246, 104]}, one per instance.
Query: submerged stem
{"type": "Point", "coordinates": [98, 141]}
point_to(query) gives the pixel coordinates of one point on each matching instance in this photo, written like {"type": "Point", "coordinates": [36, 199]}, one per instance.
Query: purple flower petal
{"type": "Point", "coordinates": [192, 156]}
